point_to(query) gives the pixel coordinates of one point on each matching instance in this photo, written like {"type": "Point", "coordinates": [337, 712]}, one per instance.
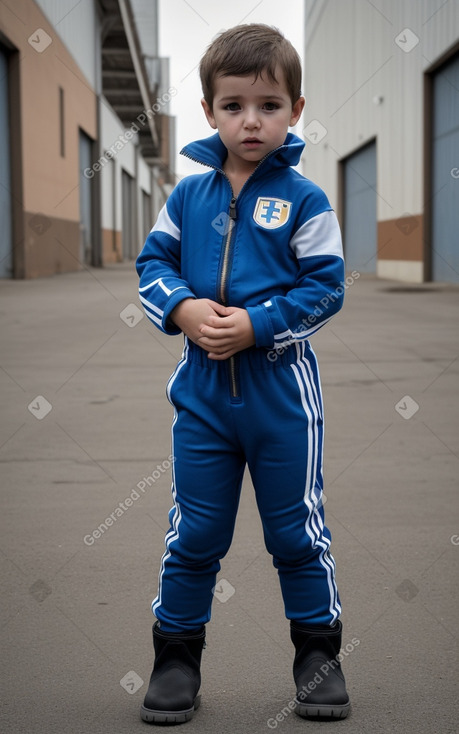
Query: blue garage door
{"type": "Point", "coordinates": [445, 173]}
{"type": "Point", "coordinates": [86, 233]}
{"type": "Point", "coordinates": [128, 223]}
{"type": "Point", "coordinates": [360, 231]}
{"type": "Point", "coordinates": [6, 248]}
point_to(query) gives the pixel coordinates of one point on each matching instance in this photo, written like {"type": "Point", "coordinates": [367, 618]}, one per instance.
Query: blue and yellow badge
{"type": "Point", "coordinates": [271, 213]}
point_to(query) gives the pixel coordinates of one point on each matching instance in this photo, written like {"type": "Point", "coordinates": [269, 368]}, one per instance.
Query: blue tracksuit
{"type": "Point", "coordinates": [276, 251]}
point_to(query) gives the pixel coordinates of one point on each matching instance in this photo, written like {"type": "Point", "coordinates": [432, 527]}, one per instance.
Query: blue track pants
{"type": "Point", "coordinates": [274, 425]}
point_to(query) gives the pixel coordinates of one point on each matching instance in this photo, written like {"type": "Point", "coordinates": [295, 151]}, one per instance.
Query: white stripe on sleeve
{"type": "Point", "coordinates": [151, 306]}
{"type": "Point", "coordinates": [318, 236]}
{"type": "Point", "coordinates": [165, 224]}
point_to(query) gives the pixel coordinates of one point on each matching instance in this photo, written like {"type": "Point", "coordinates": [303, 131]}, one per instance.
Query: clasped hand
{"type": "Point", "coordinates": [220, 330]}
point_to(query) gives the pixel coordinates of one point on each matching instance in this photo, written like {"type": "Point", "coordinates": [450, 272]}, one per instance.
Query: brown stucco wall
{"type": "Point", "coordinates": [112, 251]}
{"type": "Point", "coordinates": [50, 182]}
{"type": "Point", "coordinates": [402, 238]}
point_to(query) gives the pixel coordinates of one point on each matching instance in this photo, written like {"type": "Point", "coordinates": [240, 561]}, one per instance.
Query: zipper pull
{"type": "Point", "coordinates": [232, 209]}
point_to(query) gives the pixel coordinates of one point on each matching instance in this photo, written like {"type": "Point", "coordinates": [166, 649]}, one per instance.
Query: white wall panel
{"type": "Point", "coordinates": [363, 78]}
{"type": "Point", "coordinates": [77, 25]}
{"type": "Point", "coordinates": [144, 176]}
{"type": "Point", "coordinates": [116, 146]}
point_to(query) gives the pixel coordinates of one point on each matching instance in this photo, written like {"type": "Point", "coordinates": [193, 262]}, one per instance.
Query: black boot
{"type": "Point", "coordinates": [321, 690]}
{"type": "Point", "coordinates": [172, 695]}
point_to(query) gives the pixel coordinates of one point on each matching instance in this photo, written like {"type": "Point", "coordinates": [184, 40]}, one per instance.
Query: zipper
{"type": "Point", "coordinates": [227, 250]}
{"type": "Point", "coordinates": [222, 289]}
{"type": "Point", "coordinates": [233, 378]}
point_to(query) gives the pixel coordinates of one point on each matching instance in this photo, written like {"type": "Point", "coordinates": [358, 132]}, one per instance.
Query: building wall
{"type": "Point", "coordinates": [364, 80]}
{"type": "Point", "coordinates": [118, 155]}
{"type": "Point", "coordinates": [78, 28]}
{"type": "Point", "coordinates": [122, 157]}
{"type": "Point", "coordinates": [54, 60]}
{"type": "Point", "coordinates": [46, 236]}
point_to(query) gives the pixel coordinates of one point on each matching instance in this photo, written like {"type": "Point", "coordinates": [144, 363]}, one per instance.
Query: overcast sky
{"type": "Point", "coordinates": [187, 27]}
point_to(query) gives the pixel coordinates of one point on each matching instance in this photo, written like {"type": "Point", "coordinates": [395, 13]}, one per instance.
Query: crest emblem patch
{"type": "Point", "coordinates": [271, 213]}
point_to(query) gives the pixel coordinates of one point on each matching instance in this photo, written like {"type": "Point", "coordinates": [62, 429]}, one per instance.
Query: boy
{"type": "Point", "coordinates": [241, 260]}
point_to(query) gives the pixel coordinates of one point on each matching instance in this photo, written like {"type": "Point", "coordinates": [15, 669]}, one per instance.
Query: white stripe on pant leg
{"type": "Point", "coordinates": [174, 376]}
{"type": "Point", "coordinates": [173, 533]}
{"type": "Point", "coordinates": [314, 524]}
{"type": "Point", "coordinates": [306, 361]}
{"type": "Point", "coordinates": [325, 558]}
{"type": "Point", "coordinates": [316, 406]}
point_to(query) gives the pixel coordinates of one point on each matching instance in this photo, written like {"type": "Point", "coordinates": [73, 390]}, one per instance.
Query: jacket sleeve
{"type": "Point", "coordinates": [161, 286]}
{"type": "Point", "coordinates": [318, 291]}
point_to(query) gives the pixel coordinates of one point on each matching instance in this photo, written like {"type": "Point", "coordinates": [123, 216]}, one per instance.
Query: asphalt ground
{"type": "Point", "coordinates": [85, 427]}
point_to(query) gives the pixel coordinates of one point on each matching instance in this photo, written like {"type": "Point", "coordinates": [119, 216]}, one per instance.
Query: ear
{"type": "Point", "coordinates": [297, 109]}
{"type": "Point", "coordinates": [209, 114]}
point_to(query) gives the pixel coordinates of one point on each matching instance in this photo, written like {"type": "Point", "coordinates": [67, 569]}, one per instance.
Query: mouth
{"type": "Point", "coordinates": [251, 142]}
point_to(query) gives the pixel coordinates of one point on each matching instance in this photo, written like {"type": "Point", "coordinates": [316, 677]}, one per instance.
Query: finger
{"type": "Point", "coordinates": [216, 345]}
{"type": "Point", "coordinates": [211, 303]}
{"type": "Point", "coordinates": [218, 322]}
{"type": "Point", "coordinates": [215, 322]}
{"type": "Point", "coordinates": [212, 333]}
{"type": "Point", "coordinates": [213, 348]}
{"type": "Point", "coordinates": [220, 308]}
{"type": "Point", "coordinates": [225, 355]}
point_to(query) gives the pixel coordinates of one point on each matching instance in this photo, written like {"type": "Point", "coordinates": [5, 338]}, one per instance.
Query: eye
{"type": "Point", "coordinates": [232, 107]}
{"type": "Point", "coordinates": [270, 106]}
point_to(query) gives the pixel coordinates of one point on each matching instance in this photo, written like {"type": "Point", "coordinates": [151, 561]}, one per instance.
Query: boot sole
{"type": "Point", "coordinates": [169, 717]}
{"type": "Point", "coordinates": [311, 711]}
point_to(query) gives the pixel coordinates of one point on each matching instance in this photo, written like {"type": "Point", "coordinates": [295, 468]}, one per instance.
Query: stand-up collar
{"type": "Point", "coordinates": [211, 152]}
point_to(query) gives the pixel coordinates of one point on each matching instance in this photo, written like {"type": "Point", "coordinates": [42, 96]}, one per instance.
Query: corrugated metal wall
{"type": "Point", "coordinates": [359, 83]}
{"type": "Point", "coordinates": [364, 79]}
{"type": "Point", "coordinates": [76, 24]}
{"type": "Point", "coordinates": [445, 173]}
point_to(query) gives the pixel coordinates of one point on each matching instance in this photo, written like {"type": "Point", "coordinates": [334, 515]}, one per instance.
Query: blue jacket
{"type": "Point", "coordinates": [275, 250]}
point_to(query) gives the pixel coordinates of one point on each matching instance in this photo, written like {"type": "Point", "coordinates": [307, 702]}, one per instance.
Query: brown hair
{"type": "Point", "coordinates": [250, 49]}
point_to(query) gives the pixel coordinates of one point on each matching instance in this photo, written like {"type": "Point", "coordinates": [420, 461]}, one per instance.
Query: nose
{"type": "Point", "coordinates": [251, 120]}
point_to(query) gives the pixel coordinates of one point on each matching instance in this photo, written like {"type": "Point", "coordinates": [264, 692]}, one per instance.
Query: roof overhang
{"type": "Point", "coordinates": [125, 82]}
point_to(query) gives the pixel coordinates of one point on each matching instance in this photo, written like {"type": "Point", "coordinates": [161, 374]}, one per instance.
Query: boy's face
{"type": "Point", "coordinates": [252, 117]}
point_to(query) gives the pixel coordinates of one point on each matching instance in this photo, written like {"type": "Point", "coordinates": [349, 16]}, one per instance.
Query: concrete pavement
{"type": "Point", "coordinates": [84, 440]}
